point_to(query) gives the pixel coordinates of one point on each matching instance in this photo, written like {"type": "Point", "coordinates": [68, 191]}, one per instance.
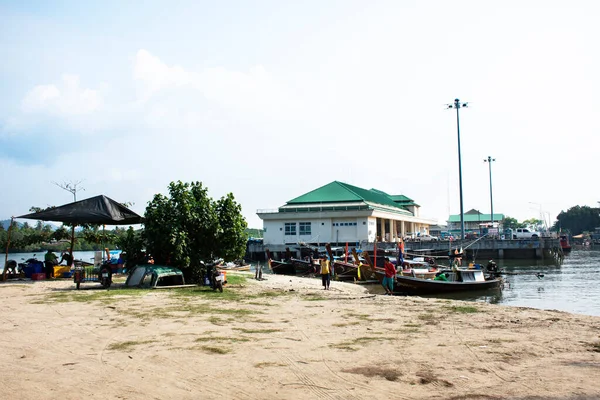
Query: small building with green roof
{"type": "Point", "coordinates": [340, 213]}
{"type": "Point", "coordinates": [474, 221]}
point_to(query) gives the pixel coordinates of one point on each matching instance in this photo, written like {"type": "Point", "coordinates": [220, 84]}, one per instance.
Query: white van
{"type": "Point", "coordinates": [524, 233]}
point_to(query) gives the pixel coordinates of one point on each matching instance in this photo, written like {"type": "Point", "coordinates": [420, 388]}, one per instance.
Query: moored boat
{"type": "Point", "coordinates": [564, 243]}
{"type": "Point", "coordinates": [280, 266]}
{"type": "Point", "coordinates": [457, 281]}
{"type": "Point", "coordinates": [445, 281]}
{"type": "Point", "coordinates": [347, 270]}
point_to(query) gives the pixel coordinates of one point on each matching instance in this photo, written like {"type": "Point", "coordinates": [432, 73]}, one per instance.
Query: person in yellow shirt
{"type": "Point", "coordinates": [325, 272]}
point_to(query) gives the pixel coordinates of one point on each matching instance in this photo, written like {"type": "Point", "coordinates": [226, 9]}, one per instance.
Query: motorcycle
{"type": "Point", "coordinates": [217, 279]}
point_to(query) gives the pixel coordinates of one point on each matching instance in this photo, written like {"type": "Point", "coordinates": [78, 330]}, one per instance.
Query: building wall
{"type": "Point", "coordinates": [322, 230]}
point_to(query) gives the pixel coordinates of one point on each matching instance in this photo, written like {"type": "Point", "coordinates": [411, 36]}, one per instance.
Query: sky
{"type": "Point", "coordinates": [269, 100]}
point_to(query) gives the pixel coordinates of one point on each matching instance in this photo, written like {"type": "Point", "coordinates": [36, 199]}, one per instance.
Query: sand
{"type": "Point", "coordinates": [286, 338]}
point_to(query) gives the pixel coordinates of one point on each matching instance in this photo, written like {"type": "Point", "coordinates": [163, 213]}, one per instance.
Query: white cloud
{"type": "Point", "coordinates": [66, 99]}
{"type": "Point", "coordinates": [254, 90]}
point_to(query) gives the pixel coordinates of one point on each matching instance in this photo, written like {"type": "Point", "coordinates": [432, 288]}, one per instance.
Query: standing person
{"type": "Point", "coordinates": [50, 260]}
{"type": "Point", "coordinates": [388, 279]}
{"type": "Point", "coordinates": [325, 271]}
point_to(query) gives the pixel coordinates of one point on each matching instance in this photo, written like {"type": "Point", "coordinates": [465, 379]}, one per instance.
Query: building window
{"type": "Point", "coordinates": [304, 228]}
{"type": "Point", "coordinates": [290, 228]}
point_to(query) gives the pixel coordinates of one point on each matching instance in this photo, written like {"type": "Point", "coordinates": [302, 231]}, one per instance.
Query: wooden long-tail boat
{"type": "Point", "coordinates": [302, 267]}
{"type": "Point", "coordinates": [344, 271]}
{"type": "Point", "coordinates": [280, 266]}
{"type": "Point", "coordinates": [290, 266]}
{"type": "Point", "coordinates": [456, 280]}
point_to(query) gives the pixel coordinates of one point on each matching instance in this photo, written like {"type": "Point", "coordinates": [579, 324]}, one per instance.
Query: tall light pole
{"type": "Point", "coordinates": [489, 161]}
{"type": "Point", "coordinates": [458, 105]}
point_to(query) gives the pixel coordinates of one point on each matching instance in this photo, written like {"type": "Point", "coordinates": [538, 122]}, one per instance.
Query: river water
{"type": "Point", "coordinates": [573, 286]}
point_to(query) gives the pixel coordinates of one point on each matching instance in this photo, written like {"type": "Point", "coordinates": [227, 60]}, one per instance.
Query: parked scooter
{"type": "Point", "coordinates": [217, 279]}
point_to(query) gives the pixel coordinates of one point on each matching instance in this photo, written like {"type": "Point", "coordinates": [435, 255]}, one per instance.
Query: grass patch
{"type": "Point", "coordinates": [229, 294]}
{"type": "Point", "coordinates": [371, 371]}
{"type": "Point", "coordinates": [215, 350]}
{"type": "Point", "coordinates": [235, 279]}
{"type": "Point", "coordinates": [429, 318]}
{"type": "Point", "coordinates": [360, 341]}
{"type": "Point", "coordinates": [88, 296]}
{"type": "Point", "coordinates": [124, 346]}
{"type": "Point", "coordinates": [268, 364]}
{"type": "Point", "coordinates": [244, 330]}
{"type": "Point", "coordinates": [257, 303]}
{"type": "Point", "coordinates": [342, 346]}
{"type": "Point", "coordinates": [313, 297]}
{"type": "Point", "coordinates": [362, 317]}
{"type": "Point", "coordinates": [261, 321]}
{"type": "Point", "coordinates": [463, 309]}
{"type": "Point", "coordinates": [217, 321]}
{"type": "Point", "coordinates": [235, 339]}
{"type": "Point", "coordinates": [408, 330]}
{"type": "Point", "coordinates": [342, 324]}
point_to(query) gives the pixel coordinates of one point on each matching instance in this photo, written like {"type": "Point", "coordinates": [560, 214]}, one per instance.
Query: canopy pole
{"type": "Point", "coordinates": [72, 244]}
{"type": "Point", "coordinates": [7, 246]}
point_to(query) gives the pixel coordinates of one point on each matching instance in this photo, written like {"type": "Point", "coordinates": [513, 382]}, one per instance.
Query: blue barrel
{"type": "Point", "coordinates": [33, 268]}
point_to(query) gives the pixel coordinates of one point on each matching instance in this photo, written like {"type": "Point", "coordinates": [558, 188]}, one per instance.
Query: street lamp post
{"type": "Point", "coordinates": [458, 105]}
{"type": "Point", "coordinates": [489, 161]}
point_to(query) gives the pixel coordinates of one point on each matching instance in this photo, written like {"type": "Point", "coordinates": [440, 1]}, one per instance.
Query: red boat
{"type": "Point", "coordinates": [564, 243]}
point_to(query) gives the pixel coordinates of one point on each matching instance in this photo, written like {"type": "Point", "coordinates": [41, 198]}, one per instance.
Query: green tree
{"type": "Point", "coordinates": [578, 219]}
{"type": "Point", "coordinates": [511, 223]}
{"type": "Point", "coordinates": [132, 244]}
{"type": "Point", "coordinates": [232, 233]}
{"type": "Point", "coordinates": [188, 228]}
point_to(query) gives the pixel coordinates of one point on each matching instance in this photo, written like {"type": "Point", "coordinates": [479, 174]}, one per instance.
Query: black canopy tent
{"type": "Point", "coordinates": [99, 210]}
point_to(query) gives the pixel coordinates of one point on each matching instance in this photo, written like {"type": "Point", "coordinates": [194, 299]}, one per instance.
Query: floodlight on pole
{"type": "Point", "coordinates": [458, 105]}
{"type": "Point", "coordinates": [489, 160]}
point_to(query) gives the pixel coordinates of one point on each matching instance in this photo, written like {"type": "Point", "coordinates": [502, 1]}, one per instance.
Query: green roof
{"type": "Point", "coordinates": [472, 217]}
{"type": "Point", "coordinates": [403, 200]}
{"type": "Point", "coordinates": [339, 192]}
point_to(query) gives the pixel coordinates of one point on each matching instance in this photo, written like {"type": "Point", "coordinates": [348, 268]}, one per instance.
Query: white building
{"type": "Point", "coordinates": [340, 213]}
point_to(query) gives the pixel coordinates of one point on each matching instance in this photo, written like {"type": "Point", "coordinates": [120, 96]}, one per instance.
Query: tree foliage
{"type": "Point", "coordinates": [578, 219]}
{"type": "Point", "coordinates": [187, 228]}
{"type": "Point", "coordinates": [511, 223]}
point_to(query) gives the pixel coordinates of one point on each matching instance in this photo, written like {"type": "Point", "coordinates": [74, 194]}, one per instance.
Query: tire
{"type": "Point", "coordinates": [220, 286]}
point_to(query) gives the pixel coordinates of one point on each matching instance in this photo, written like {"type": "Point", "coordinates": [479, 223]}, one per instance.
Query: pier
{"type": "Point", "coordinates": [487, 248]}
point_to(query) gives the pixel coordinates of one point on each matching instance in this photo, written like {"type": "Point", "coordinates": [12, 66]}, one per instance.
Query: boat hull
{"type": "Point", "coordinates": [416, 286]}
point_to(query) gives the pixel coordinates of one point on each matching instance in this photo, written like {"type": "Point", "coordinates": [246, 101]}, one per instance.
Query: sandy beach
{"type": "Point", "coordinates": [285, 338]}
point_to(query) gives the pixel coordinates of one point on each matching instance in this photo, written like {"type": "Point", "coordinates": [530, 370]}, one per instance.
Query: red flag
{"type": "Point", "coordinates": [346, 253]}
{"type": "Point", "coordinates": [375, 255]}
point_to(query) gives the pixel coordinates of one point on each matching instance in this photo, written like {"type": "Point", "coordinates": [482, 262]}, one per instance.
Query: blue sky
{"type": "Point", "coordinates": [272, 99]}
